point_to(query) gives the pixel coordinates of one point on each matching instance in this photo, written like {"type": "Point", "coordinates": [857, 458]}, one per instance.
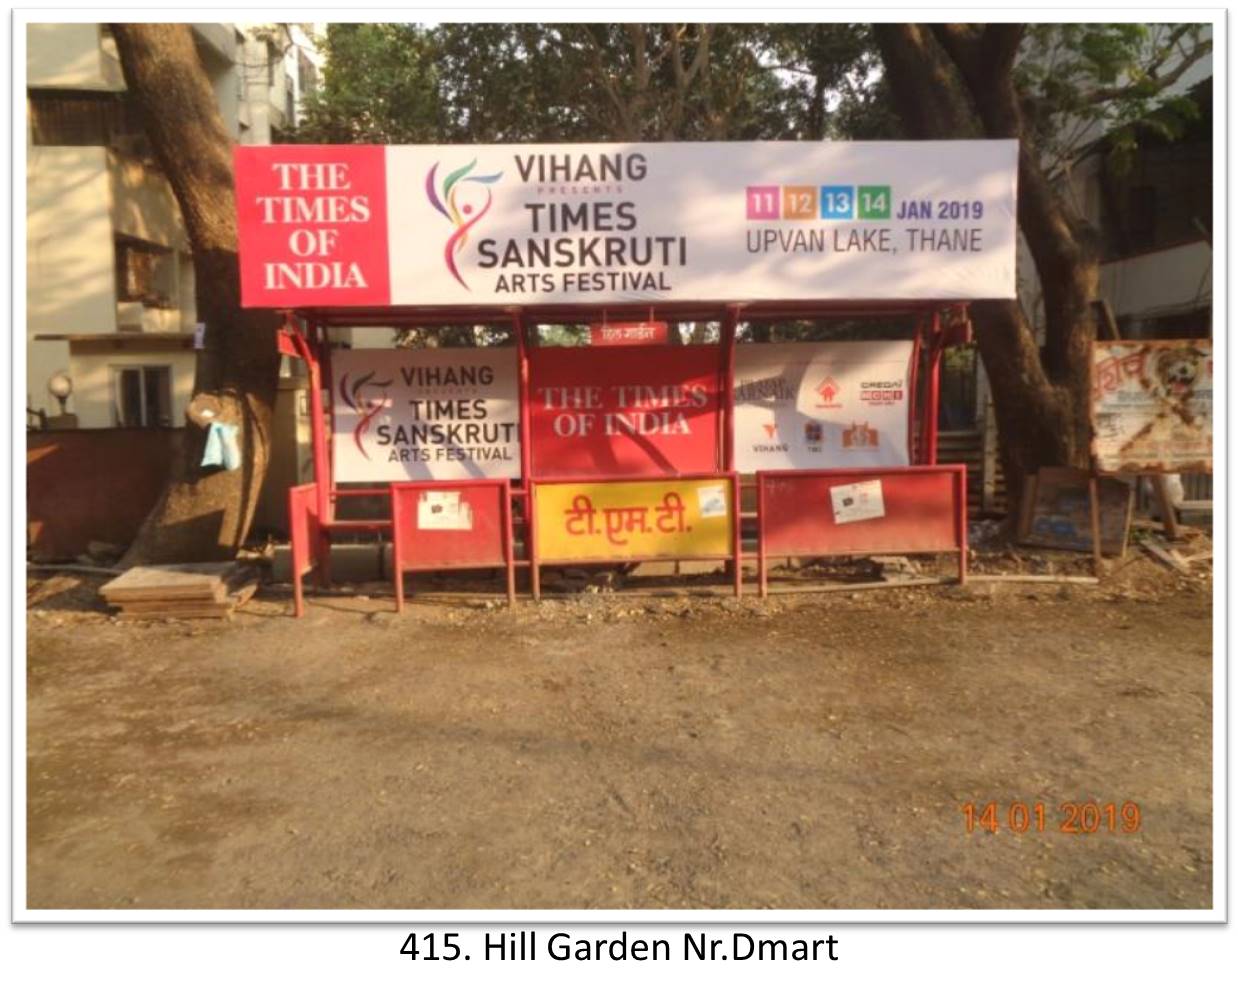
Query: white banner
{"type": "Point", "coordinates": [806, 405]}
{"type": "Point", "coordinates": [425, 414]}
{"type": "Point", "coordinates": [496, 225]}
{"type": "Point", "coordinates": [702, 221]}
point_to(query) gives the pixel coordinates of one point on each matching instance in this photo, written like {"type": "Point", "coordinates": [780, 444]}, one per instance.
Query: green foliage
{"type": "Point", "coordinates": [1083, 83]}
{"type": "Point", "coordinates": [393, 83]}
{"type": "Point", "coordinates": [404, 83]}
{"type": "Point", "coordinates": [380, 87]}
{"type": "Point", "coordinates": [833, 80]}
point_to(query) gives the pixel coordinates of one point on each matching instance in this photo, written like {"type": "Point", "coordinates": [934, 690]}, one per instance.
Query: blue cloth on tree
{"type": "Point", "coordinates": [222, 448]}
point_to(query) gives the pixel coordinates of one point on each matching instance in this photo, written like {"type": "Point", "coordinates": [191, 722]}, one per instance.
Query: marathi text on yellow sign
{"type": "Point", "coordinates": [635, 520]}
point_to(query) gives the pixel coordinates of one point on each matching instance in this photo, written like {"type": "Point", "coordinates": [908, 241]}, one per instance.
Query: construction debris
{"type": "Point", "coordinates": [49, 588]}
{"type": "Point", "coordinates": [894, 568]}
{"type": "Point", "coordinates": [1171, 558]}
{"type": "Point", "coordinates": [182, 591]}
{"type": "Point", "coordinates": [76, 568]}
{"type": "Point", "coordinates": [1033, 578]}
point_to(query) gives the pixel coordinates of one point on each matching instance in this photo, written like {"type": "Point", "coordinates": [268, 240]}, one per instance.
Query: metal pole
{"type": "Point", "coordinates": [934, 398]}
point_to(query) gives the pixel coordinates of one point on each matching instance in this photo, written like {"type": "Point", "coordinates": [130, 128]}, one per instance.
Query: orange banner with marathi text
{"type": "Point", "coordinates": [635, 520]}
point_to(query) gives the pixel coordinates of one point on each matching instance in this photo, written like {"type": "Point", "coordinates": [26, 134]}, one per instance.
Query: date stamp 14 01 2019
{"type": "Point", "coordinates": [1067, 817]}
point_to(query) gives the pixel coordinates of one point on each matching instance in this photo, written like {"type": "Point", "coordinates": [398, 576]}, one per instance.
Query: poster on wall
{"type": "Point", "coordinates": [813, 405]}
{"type": "Point", "coordinates": [1152, 406]}
{"type": "Point", "coordinates": [425, 414]}
{"type": "Point", "coordinates": [624, 412]}
{"type": "Point", "coordinates": [502, 225]}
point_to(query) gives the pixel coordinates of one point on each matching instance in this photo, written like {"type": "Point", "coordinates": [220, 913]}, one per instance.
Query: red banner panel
{"type": "Point", "coordinates": [313, 222]}
{"type": "Point", "coordinates": [887, 510]}
{"type": "Point", "coordinates": [447, 524]}
{"type": "Point", "coordinates": [636, 411]}
{"type": "Point", "coordinates": [451, 524]}
{"type": "Point", "coordinates": [628, 334]}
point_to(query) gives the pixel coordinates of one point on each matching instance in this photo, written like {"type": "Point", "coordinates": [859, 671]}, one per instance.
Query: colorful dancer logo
{"type": "Point", "coordinates": [456, 213]}
{"type": "Point", "coordinates": [365, 407]}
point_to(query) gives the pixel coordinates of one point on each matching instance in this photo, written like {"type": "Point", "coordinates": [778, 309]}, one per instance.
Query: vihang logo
{"type": "Point", "coordinates": [366, 397]}
{"type": "Point", "coordinates": [457, 209]}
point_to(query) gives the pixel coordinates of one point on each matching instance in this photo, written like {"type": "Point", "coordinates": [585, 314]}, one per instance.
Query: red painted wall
{"type": "Point", "coordinates": [92, 484]}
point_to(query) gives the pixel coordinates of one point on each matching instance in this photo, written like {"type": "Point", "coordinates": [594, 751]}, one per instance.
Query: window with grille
{"type": "Point", "coordinates": [65, 117]}
{"type": "Point", "coordinates": [144, 273]}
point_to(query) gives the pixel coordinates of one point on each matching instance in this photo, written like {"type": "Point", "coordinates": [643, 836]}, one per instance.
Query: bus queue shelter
{"type": "Point", "coordinates": [635, 446]}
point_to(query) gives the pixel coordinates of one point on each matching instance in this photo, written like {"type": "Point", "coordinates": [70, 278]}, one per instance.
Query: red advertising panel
{"type": "Point", "coordinates": [457, 524]}
{"type": "Point", "coordinates": [882, 510]}
{"type": "Point", "coordinates": [636, 411]}
{"type": "Point", "coordinates": [313, 223]}
{"type": "Point", "coordinates": [303, 525]}
{"type": "Point", "coordinates": [628, 334]}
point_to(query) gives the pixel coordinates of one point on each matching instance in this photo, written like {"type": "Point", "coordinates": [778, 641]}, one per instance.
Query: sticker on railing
{"type": "Point", "coordinates": [856, 502]}
{"type": "Point", "coordinates": [712, 500]}
{"type": "Point", "coordinates": [443, 510]}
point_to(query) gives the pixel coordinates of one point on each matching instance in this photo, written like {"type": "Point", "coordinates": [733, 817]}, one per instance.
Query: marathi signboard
{"type": "Point", "coordinates": [628, 334]}
{"type": "Point", "coordinates": [502, 225]}
{"type": "Point", "coordinates": [1152, 406]}
{"type": "Point", "coordinates": [808, 405]}
{"type": "Point", "coordinates": [629, 412]}
{"type": "Point", "coordinates": [635, 520]}
{"type": "Point", "coordinates": [426, 414]}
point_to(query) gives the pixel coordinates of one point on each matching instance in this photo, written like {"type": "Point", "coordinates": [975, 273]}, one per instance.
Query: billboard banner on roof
{"type": "Point", "coordinates": [496, 225]}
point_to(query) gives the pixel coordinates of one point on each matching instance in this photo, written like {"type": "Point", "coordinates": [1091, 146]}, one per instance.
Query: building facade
{"type": "Point", "coordinates": [109, 276]}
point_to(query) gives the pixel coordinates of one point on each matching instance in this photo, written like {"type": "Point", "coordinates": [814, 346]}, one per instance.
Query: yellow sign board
{"type": "Point", "coordinates": [635, 520]}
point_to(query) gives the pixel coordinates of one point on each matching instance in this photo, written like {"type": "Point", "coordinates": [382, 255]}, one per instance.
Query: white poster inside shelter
{"type": "Point", "coordinates": [425, 414]}
{"type": "Point", "coordinates": [444, 510]}
{"type": "Point", "coordinates": [806, 405]}
{"type": "Point", "coordinates": [857, 502]}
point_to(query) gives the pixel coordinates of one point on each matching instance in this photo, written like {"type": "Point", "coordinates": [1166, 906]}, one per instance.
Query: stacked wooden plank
{"type": "Point", "coordinates": [182, 591]}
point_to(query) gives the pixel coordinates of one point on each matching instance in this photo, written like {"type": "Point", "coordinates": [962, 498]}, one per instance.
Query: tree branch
{"type": "Point", "coordinates": [626, 125]}
{"type": "Point", "coordinates": [1101, 95]}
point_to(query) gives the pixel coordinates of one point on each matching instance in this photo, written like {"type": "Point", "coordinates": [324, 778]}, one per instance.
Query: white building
{"type": "Point", "coordinates": [109, 277]}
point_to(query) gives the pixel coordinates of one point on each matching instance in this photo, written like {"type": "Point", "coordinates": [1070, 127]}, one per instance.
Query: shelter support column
{"type": "Point", "coordinates": [936, 348]}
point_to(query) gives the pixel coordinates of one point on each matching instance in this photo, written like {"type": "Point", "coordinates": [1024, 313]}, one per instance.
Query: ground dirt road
{"type": "Point", "coordinates": [611, 752]}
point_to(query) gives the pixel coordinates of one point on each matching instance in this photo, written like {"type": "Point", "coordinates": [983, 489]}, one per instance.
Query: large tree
{"type": "Point", "coordinates": [1037, 85]}
{"type": "Point", "coordinates": [586, 82]}
{"type": "Point", "coordinates": [203, 514]}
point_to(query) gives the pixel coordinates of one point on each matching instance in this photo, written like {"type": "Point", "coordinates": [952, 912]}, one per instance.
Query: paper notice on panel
{"type": "Point", "coordinates": [712, 500]}
{"type": "Point", "coordinates": [444, 510]}
{"type": "Point", "coordinates": [856, 502]}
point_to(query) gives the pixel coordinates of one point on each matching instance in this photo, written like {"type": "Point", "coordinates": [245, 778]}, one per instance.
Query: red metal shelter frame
{"type": "Point", "coordinates": [305, 337]}
{"type": "Point", "coordinates": [925, 512]}
{"type": "Point", "coordinates": [491, 548]}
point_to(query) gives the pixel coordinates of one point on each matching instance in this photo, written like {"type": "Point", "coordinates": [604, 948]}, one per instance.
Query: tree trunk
{"type": "Point", "coordinates": [203, 513]}
{"type": "Point", "coordinates": [955, 81]}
